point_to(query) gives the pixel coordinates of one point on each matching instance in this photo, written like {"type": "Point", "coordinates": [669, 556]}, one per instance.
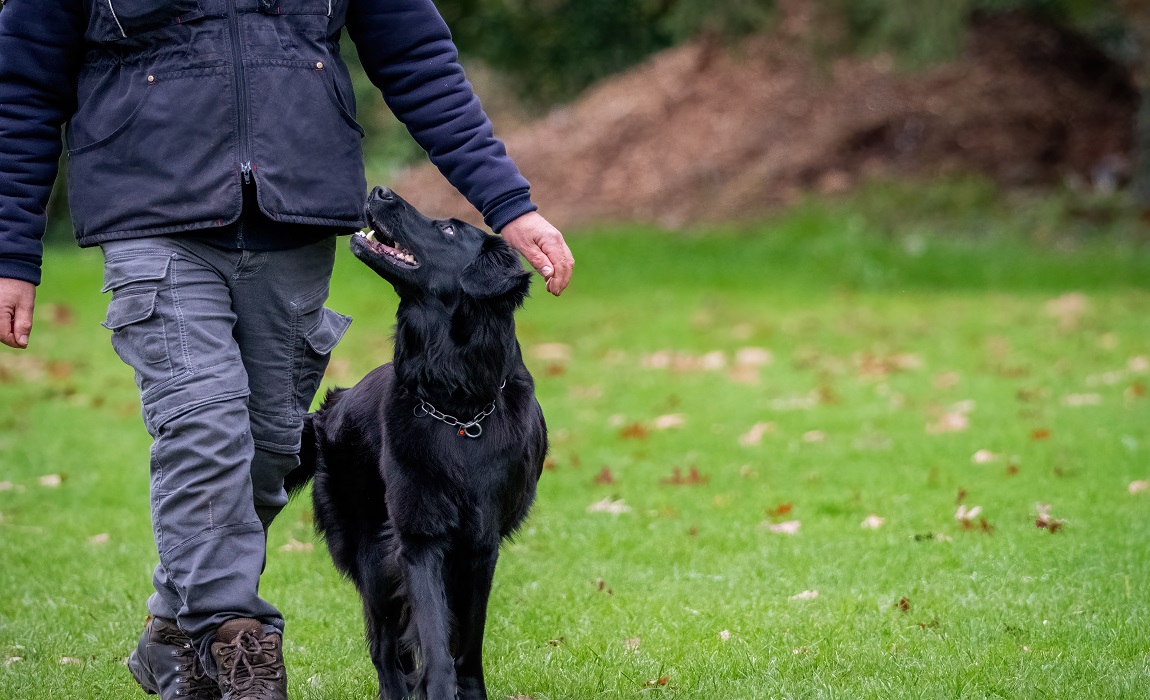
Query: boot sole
{"type": "Point", "coordinates": [140, 675]}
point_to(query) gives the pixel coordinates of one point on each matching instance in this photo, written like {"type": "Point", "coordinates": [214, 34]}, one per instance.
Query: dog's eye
{"type": "Point", "coordinates": [449, 229]}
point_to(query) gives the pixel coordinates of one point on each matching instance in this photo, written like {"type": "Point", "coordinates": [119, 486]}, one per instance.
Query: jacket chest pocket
{"type": "Point", "coordinates": [300, 7]}
{"type": "Point", "coordinates": [115, 20]}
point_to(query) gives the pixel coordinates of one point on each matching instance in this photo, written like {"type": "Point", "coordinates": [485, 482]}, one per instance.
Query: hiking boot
{"type": "Point", "coordinates": [164, 663]}
{"type": "Point", "coordinates": [249, 661]}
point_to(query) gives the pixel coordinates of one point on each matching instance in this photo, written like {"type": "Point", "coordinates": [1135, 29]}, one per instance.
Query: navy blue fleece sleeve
{"type": "Point", "coordinates": [407, 51]}
{"type": "Point", "coordinates": [40, 45]}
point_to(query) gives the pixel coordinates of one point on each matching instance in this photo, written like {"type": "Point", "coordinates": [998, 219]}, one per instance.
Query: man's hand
{"type": "Point", "coordinates": [544, 247]}
{"type": "Point", "coordinates": [17, 298]}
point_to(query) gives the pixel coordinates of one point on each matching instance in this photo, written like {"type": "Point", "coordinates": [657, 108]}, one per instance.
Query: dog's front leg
{"type": "Point", "coordinates": [472, 589]}
{"type": "Point", "coordinates": [422, 564]}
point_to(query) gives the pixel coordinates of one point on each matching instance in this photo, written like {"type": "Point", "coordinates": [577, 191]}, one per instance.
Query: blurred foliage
{"type": "Point", "coordinates": [919, 33]}
{"type": "Point", "coordinates": [555, 48]}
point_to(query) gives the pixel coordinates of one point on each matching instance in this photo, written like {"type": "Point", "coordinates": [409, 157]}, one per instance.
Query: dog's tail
{"type": "Point", "coordinates": [299, 477]}
{"type": "Point", "coordinates": [309, 450]}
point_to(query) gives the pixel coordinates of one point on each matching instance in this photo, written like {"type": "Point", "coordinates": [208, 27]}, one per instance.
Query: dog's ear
{"type": "Point", "coordinates": [496, 273]}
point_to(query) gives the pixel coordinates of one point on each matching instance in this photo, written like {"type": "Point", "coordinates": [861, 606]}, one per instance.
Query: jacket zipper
{"type": "Point", "coordinates": [241, 91]}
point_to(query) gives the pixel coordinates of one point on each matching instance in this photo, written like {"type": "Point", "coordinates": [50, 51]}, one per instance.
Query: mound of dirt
{"type": "Point", "coordinates": [703, 133]}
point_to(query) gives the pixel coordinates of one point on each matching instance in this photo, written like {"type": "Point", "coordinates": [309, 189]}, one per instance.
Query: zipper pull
{"type": "Point", "coordinates": [246, 171]}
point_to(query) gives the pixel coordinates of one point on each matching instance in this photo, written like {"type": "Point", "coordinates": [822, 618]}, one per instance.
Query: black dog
{"type": "Point", "coordinates": [423, 467]}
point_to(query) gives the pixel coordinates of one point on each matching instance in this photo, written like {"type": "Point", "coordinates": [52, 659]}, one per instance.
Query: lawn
{"type": "Point", "coordinates": [761, 437]}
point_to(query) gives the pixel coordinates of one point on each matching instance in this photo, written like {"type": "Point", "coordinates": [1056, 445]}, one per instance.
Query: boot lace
{"type": "Point", "coordinates": [193, 680]}
{"type": "Point", "coordinates": [248, 663]}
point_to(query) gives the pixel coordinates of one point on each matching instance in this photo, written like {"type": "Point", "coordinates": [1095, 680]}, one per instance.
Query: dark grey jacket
{"type": "Point", "coordinates": [172, 104]}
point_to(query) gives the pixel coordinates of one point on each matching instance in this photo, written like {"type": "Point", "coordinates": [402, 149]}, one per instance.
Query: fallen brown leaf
{"type": "Point", "coordinates": [780, 510]}
{"type": "Point", "coordinates": [604, 477]}
{"type": "Point", "coordinates": [634, 431]}
{"type": "Point", "coordinates": [660, 682]}
{"type": "Point", "coordinates": [693, 478]}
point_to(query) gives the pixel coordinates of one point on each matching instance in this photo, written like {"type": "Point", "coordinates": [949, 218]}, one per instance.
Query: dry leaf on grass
{"type": "Point", "coordinates": [6, 486]}
{"type": "Point", "coordinates": [604, 478]}
{"type": "Point", "coordinates": [805, 595]}
{"type": "Point", "coordinates": [631, 644]}
{"type": "Point", "coordinates": [671, 420]}
{"type": "Point", "coordinates": [1068, 309]}
{"type": "Point", "coordinates": [1139, 363]}
{"type": "Point", "coordinates": [814, 436]}
{"type": "Point", "coordinates": [964, 514]}
{"type": "Point", "coordinates": [1138, 487]}
{"type": "Point", "coordinates": [693, 478]}
{"type": "Point", "coordinates": [70, 660]}
{"type": "Point", "coordinates": [51, 481]}
{"type": "Point", "coordinates": [754, 436]}
{"type": "Point", "coordinates": [753, 357]}
{"type": "Point", "coordinates": [1043, 520]}
{"type": "Point", "coordinates": [554, 352]}
{"type": "Point", "coordinates": [1078, 400]}
{"type": "Point", "coordinates": [780, 510]}
{"type": "Point", "coordinates": [102, 538]}
{"type": "Point", "coordinates": [789, 527]}
{"type": "Point", "coordinates": [609, 505]}
{"type": "Point", "coordinates": [294, 545]}
{"type": "Point", "coordinates": [660, 682]}
{"type": "Point", "coordinates": [872, 522]}
{"type": "Point", "coordinates": [725, 635]}
{"type": "Point", "coordinates": [634, 431]}
{"type": "Point", "coordinates": [983, 457]}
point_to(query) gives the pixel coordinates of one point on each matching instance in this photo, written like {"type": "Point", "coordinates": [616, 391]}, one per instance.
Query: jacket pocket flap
{"type": "Point", "coordinates": [328, 332]}
{"type": "Point", "coordinates": [144, 268]}
{"type": "Point", "coordinates": [129, 309]}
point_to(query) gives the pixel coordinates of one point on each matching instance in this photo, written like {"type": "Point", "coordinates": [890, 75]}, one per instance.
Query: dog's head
{"type": "Point", "coordinates": [421, 256]}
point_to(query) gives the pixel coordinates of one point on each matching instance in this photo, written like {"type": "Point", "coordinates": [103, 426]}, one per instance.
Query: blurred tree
{"type": "Point", "coordinates": [1137, 14]}
{"type": "Point", "coordinates": [555, 48]}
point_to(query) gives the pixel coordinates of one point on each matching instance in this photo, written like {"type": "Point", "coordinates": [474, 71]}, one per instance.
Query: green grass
{"type": "Point", "coordinates": [881, 312]}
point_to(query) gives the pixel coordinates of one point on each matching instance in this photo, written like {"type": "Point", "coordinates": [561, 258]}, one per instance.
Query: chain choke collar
{"type": "Point", "coordinates": [471, 428]}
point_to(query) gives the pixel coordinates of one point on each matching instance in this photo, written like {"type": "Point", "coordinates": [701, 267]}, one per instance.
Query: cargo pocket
{"type": "Point", "coordinates": [306, 167]}
{"type": "Point", "coordinates": [318, 344]}
{"type": "Point", "coordinates": [139, 335]}
{"type": "Point", "coordinates": [152, 151]}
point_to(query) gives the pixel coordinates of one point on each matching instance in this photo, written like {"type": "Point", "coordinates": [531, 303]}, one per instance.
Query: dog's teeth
{"type": "Point", "coordinates": [370, 235]}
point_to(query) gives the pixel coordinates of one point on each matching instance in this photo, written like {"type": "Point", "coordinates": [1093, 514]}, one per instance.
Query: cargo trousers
{"type": "Point", "coordinates": [228, 349]}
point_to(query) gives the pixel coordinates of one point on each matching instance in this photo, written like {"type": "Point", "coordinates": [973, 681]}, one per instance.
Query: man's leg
{"type": "Point", "coordinates": [172, 322]}
{"type": "Point", "coordinates": [285, 336]}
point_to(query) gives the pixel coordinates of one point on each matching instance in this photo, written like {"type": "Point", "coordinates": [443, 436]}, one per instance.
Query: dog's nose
{"type": "Point", "coordinates": [383, 194]}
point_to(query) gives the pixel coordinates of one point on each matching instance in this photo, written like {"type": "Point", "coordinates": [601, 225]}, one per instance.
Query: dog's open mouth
{"type": "Point", "coordinates": [378, 241]}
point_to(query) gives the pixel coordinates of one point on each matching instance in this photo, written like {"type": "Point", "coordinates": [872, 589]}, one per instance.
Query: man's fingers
{"type": "Point", "coordinates": [543, 246]}
{"type": "Point", "coordinates": [7, 329]}
{"type": "Point", "coordinates": [17, 300]}
{"type": "Point", "coordinates": [23, 325]}
{"type": "Point", "coordinates": [557, 251]}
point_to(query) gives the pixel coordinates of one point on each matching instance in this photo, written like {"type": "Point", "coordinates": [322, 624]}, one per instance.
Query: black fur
{"type": "Point", "coordinates": [413, 512]}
